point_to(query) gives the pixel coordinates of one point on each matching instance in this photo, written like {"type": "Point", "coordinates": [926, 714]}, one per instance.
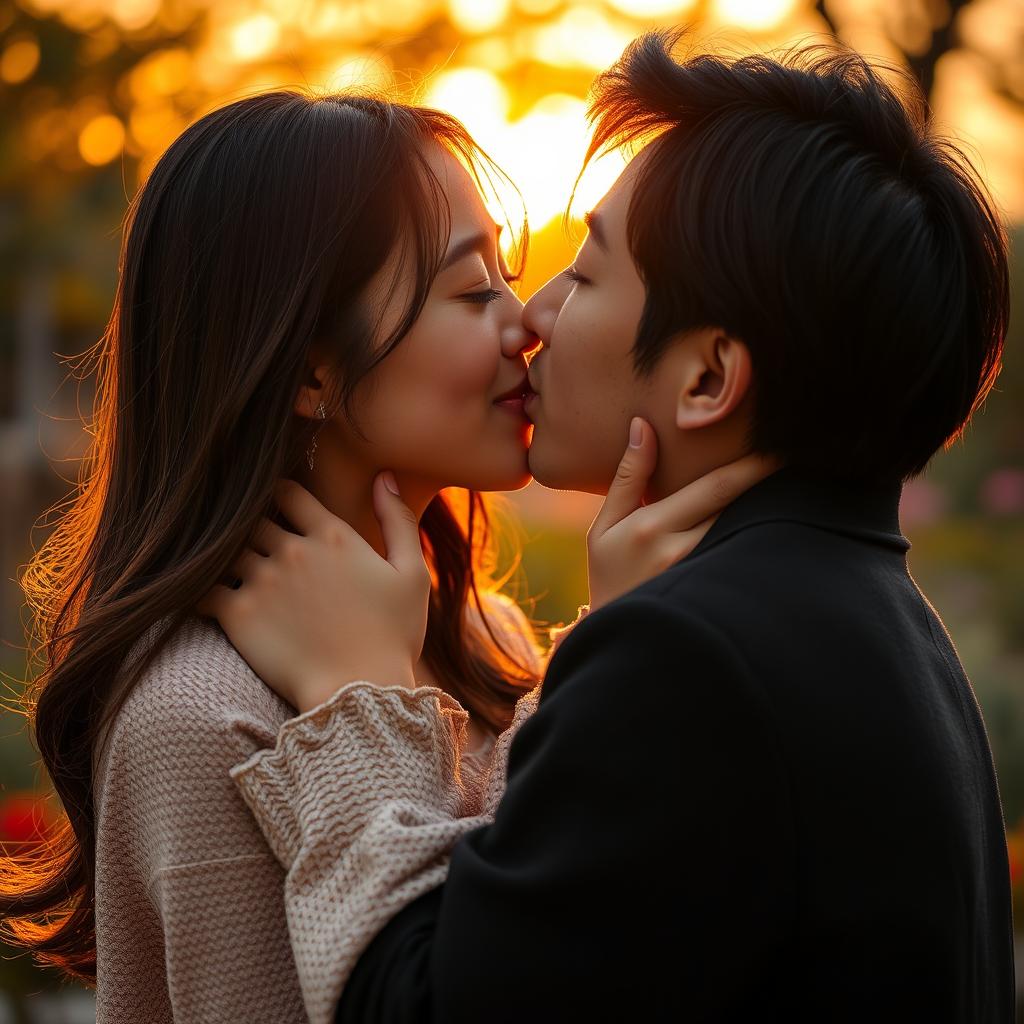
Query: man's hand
{"type": "Point", "coordinates": [630, 542]}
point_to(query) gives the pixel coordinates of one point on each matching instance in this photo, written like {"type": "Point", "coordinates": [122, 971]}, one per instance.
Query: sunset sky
{"type": "Point", "coordinates": [515, 71]}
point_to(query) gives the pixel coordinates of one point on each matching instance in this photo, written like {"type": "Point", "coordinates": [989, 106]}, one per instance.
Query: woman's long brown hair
{"type": "Point", "coordinates": [255, 234]}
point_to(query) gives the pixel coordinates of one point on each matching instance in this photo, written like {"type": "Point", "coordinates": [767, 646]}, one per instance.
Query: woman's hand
{"type": "Point", "coordinates": [629, 542]}
{"type": "Point", "coordinates": [320, 608]}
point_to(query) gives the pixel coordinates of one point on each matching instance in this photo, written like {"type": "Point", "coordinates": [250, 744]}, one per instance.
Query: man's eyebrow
{"type": "Point", "coordinates": [596, 227]}
{"type": "Point", "coordinates": [480, 242]}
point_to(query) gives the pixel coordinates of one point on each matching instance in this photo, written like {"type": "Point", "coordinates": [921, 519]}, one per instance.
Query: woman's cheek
{"type": "Point", "coordinates": [471, 362]}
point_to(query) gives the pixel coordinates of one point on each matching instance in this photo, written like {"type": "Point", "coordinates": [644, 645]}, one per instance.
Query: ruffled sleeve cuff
{"type": "Point", "coordinates": [558, 633]}
{"type": "Point", "coordinates": [361, 800]}
{"type": "Point", "coordinates": [334, 764]}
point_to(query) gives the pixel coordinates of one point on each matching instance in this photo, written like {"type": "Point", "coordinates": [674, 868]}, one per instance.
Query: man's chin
{"type": "Point", "coordinates": [561, 475]}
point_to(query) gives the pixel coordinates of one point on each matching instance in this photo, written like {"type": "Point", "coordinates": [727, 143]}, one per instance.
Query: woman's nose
{"type": "Point", "coordinates": [515, 336]}
{"type": "Point", "coordinates": [516, 340]}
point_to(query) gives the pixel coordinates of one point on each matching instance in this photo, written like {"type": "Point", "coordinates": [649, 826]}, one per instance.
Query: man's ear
{"type": "Point", "coordinates": [716, 378]}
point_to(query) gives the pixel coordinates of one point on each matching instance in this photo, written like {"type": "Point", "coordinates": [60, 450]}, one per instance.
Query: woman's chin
{"type": "Point", "coordinates": [517, 483]}
{"type": "Point", "coordinates": [507, 475]}
{"type": "Point", "coordinates": [511, 481]}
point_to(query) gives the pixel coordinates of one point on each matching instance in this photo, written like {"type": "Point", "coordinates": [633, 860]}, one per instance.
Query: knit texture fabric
{"type": "Point", "coordinates": [362, 800]}
{"type": "Point", "coordinates": [190, 899]}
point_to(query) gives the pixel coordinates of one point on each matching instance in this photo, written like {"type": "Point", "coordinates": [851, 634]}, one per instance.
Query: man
{"type": "Point", "coordinates": [757, 786]}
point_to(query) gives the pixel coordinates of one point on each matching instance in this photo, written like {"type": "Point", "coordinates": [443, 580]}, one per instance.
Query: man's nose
{"type": "Point", "coordinates": [541, 312]}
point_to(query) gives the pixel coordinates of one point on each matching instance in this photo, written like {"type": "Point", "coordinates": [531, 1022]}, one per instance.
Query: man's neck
{"type": "Point", "coordinates": [675, 470]}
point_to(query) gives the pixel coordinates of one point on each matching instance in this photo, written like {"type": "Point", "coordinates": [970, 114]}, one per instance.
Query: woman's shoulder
{"type": "Point", "coordinates": [198, 687]}
{"type": "Point", "coordinates": [163, 764]}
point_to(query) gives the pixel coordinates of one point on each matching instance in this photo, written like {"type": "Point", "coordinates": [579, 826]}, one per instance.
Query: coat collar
{"type": "Point", "coordinates": [865, 512]}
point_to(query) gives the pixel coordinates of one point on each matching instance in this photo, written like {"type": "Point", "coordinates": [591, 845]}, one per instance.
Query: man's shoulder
{"type": "Point", "coordinates": [777, 564]}
{"type": "Point", "coordinates": [642, 646]}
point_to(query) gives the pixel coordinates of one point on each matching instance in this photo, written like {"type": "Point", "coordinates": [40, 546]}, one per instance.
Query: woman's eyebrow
{"type": "Point", "coordinates": [596, 228]}
{"type": "Point", "coordinates": [479, 242]}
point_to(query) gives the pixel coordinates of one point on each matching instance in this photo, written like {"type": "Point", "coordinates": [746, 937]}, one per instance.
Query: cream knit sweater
{"type": "Point", "coordinates": [190, 899]}
{"type": "Point", "coordinates": [362, 801]}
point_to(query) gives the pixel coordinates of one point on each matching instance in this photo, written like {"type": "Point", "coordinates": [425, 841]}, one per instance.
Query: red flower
{"type": "Point", "coordinates": [1015, 848]}
{"type": "Point", "coordinates": [23, 818]}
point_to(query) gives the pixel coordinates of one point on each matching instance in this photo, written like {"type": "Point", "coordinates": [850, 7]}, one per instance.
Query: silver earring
{"type": "Point", "coordinates": [311, 451]}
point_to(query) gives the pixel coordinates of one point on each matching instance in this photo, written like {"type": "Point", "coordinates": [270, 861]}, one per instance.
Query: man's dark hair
{"type": "Point", "coordinates": [802, 205]}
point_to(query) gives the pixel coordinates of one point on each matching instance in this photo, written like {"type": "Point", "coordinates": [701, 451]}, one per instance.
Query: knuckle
{"type": "Point", "coordinates": [292, 550]}
{"type": "Point", "coordinates": [626, 471]}
{"type": "Point", "coordinates": [644, 528]}
{"type": "Point", "coordinates": [261, 569]}
{"type": "Point", "coordinates": [723, 488]}
{"type": "Point", "coordinates": [333, 535]}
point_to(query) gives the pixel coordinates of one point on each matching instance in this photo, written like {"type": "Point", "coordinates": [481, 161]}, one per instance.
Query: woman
{"type": "Point", "coordinates": [310, 288]}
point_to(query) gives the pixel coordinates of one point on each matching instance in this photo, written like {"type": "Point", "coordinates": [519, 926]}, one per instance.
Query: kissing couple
{"type": "Point", "coordinates": [315, 767]}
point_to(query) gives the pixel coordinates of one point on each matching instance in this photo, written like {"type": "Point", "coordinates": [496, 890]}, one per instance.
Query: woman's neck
{"type": "Point", "coordinates": [347, 491]}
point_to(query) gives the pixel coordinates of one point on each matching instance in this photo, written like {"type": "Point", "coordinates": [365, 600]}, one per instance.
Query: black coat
{"type": "Point", "coordinates": [757, 788]}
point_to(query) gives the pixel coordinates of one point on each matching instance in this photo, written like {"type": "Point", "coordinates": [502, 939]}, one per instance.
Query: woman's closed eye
{"type": "Point", "coordinates": [575, 276]}
{"type": "Point", "coordinates": [482, 298]}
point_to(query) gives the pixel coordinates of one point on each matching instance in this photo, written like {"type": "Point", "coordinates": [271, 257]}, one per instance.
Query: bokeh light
{"type": "Point", "coordinates": [19, 59]}
{"type": "Point", "coordinates": [101, 140]}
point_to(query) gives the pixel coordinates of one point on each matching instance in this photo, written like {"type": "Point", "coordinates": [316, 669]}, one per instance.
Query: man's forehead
{"type": "Point", "coordinates": [608, 216]}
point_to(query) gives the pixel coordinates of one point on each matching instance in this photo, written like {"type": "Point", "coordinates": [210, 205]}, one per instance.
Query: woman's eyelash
{"type": "Point", "coordinates": [482, 298]}
{"type": "Point", "coordinates": [575, 276]}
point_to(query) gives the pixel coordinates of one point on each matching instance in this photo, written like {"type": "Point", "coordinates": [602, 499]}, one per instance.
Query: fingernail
{"type": "Point", "coordinates": [389, 481]}
{"type": "Point", "coordinates": [636, 432]}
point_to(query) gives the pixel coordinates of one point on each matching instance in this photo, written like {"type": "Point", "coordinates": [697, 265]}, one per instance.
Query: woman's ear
{"type": "Point", "coordinates": [716, 378]}
{"type": "Point", "coordinates": [311, 391]}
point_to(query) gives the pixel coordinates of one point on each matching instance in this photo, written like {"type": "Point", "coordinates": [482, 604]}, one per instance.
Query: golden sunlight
{"type": "Point", "coordinates": [254, 37]}
{"type": "Point", "coordinates": [653, 8]}
{"type": "Point", "coordinates": [475, 16]}
{"type": "Point", "coordinates": [515, 71]}
{"type": "Point", "coordinates": [754, 14]}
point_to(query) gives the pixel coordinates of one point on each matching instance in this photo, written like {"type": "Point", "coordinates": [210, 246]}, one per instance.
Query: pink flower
{"type": "Point", "coordinates": [923, 503]}
{"type": "Point", "coordinates": [1002, 493]}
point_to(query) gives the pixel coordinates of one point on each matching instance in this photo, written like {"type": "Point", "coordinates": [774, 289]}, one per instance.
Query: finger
{"type": "Point", "coordinates": [626, 493]}
{"type": "Point", "coordinates": [300, 507]}
{"type": "Point", "coordinates": [708, 495]}
{"type": "Point", "coordinates": [398, 524]}
{"type": "Point", "coordinates": [267, 537]}
{"type": "Point", "coordinates": [213, 602]}
{"type": "Point", "coordinates": [676, 546]}
{"type": "Point", "coordinates": [243, 565]}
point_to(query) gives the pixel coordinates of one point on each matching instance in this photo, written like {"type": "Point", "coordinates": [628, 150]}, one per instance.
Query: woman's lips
{"type": "Point", "coordinates": [516, 398]}
{"type": "Point", "coordinates": [512, 404]}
